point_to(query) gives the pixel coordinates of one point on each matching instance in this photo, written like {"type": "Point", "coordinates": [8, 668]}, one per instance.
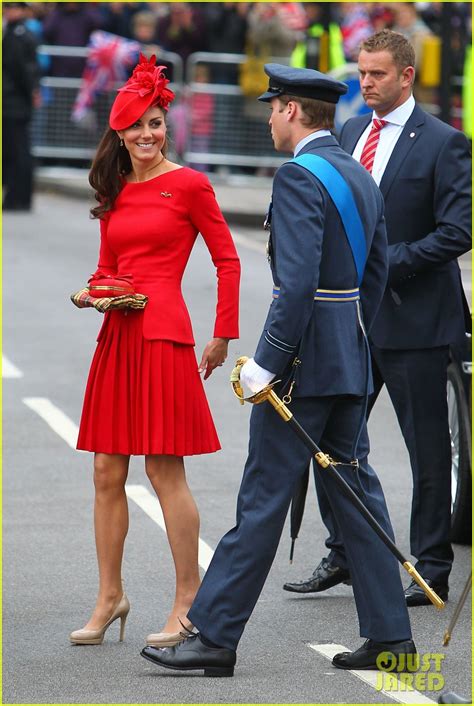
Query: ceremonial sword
{"type": "Point", "coordinates": [267, 394]}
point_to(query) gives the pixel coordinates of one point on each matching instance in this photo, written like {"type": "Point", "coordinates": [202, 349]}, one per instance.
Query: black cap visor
{"type": "Point", "coordinates": [273, 92]}
{"type": "Point", "coordinates": [316, 93]}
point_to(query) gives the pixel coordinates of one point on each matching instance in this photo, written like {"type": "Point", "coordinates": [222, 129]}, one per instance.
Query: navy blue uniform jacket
{"type": "Point", "coordinates": [309, 251]}
{"type": "Point", "coordinates": [427, 192]}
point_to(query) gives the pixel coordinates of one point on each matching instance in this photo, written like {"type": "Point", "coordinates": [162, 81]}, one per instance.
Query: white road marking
{"type": "Point", "coordinates": [372, 677]}
{"type": "Point", "coordinates": [54, 418]}
{"type": "Point", "coordinates": [68, 431]}
{"type": "Point", "coordinates": [151, 507]}
{"type": "Point", "coordinates": [9, 370]}
{"type": "Point", "coordinates": [249, 243]}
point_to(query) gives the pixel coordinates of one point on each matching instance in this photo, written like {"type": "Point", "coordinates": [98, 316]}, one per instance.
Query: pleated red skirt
{"type": "Point", "coordinates": [144, 397]}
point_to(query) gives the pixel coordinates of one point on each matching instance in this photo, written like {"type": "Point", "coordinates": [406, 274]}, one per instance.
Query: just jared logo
{"type": "Point", "coordinates": [407, 672]}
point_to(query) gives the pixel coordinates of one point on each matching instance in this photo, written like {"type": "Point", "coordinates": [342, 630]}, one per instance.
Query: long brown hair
{"type": "Point", "coordinates": [111, 163]}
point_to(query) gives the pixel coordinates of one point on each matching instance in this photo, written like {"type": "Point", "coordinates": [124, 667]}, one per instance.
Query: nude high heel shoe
{"type": "Point", "coordinates": [96, 637]}
{"type": "Point", "coordinates": [169, 639]}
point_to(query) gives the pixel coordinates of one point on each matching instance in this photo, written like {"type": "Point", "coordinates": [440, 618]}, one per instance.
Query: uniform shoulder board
{"type": "Point", "coordinates": [19, 30]}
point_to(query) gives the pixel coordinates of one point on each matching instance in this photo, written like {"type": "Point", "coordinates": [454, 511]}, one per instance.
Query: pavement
{"type": "Point", "coordinates": [49, 575]}
{"type": "Point", "coordinates": [243, 199]}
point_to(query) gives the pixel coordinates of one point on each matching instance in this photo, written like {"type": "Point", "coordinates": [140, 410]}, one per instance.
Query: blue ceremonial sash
{"type": "Point", "coordinates": [343, 199]}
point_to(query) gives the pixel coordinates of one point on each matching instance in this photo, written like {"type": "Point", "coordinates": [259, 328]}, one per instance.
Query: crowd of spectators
{"type": "Point", "coordinates": [236, 27]}
{"type": "Point", "coordinates": [290, 32]}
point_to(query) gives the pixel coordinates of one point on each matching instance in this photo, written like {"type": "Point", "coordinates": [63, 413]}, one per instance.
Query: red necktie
{"type": "Point", "coordinates": [368, 153]}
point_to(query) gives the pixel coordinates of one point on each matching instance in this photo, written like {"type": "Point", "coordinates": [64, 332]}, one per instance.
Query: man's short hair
{"type": "Point", "coordinates": [316, 113]}
{"type": "Point", "coordinates": [395, 43]}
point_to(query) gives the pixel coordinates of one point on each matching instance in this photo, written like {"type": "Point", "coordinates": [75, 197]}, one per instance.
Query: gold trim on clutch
{"type": "Point", "coordinates": [110, 286]}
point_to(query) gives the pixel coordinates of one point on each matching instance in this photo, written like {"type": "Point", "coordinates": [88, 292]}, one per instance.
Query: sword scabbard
{"type": "Point", "coordinates": [279, 406]}
{"type": "Point", "coordinates": [432, 595]}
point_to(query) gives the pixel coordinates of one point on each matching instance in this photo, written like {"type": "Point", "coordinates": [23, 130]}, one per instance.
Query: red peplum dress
{"type": "Point", "coordinates": [144, 394]}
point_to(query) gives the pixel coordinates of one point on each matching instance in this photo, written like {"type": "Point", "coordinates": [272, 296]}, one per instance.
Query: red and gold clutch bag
{"type": "Point", "coordinates": [101, 285]}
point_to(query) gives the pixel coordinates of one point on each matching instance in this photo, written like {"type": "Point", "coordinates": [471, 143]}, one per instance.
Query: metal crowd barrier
{"type": "Point", "coordinates": [54, 134]}
{"type": "Point", "coordinates": [211, 122]}
{"type": "Point", "coordinates": [232, 132]}
{"type": "Point", "coordinates": [223, 127]}
{"type": "Point", "coordinates": [236, 132]}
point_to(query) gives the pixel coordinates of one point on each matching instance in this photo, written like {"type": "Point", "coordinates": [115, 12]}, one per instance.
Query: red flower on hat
{"type": "Point", "coordinates": [149, 78]}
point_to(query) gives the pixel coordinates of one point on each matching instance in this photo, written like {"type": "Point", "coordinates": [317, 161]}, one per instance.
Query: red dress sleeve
{"type": "Point", "coordinates": [107, 260]}
{"type": "Point", "coordinates": [208, 219]}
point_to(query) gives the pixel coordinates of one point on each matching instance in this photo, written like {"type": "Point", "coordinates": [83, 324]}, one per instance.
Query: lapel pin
{"type": "Point", "coordinates": [412, 134]}
{"type": "Point", "coordinates": [166, 194]}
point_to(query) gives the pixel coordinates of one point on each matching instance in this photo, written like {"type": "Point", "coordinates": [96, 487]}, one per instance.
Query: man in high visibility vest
{"type": "Point", "coordinates": [320, 49]}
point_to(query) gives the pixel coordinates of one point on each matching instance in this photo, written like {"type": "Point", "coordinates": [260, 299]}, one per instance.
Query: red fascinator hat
{"type": "Point", "coordinates": [145, 87]}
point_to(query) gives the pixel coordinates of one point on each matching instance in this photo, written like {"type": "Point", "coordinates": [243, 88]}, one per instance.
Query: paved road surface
{"type": "Point", "coordinates": [49, 556]}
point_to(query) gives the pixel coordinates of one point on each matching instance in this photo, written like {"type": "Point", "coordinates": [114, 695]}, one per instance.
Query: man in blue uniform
{"type": "Point", "coordinates": [326, 290]}
{"type": "Point", "coordinates": [423, 168]}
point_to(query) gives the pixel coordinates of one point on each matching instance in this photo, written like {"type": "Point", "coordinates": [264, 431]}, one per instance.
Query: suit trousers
{"type": "Point", "coordinates": [17, 164]}
{"type": "Point", "coordinates": [416, 382]}
{"type": "Point", "coordinates": [276, 461]}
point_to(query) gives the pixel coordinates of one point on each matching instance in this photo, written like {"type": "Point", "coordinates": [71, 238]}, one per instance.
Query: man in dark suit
{"type": "Point", "coordinates": [423, 169]}
{"type": "Point", "coordinates": [20, 93]}
{"type": "Point", "coordinates": [321, 296]}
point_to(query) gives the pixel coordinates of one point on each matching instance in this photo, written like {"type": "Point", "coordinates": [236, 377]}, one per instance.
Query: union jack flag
{"type": "Point", "coordinates": [109, 59]}
{"type": "Point", "coordinates": [293, 15]}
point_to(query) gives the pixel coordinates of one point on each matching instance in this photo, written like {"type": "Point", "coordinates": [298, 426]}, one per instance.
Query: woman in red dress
{"type": "Point", "coordinates": [144, 393]}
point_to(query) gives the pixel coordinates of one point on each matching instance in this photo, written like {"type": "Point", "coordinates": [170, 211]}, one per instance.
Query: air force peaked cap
{"type": "Point", "coordinates": [304, 83]}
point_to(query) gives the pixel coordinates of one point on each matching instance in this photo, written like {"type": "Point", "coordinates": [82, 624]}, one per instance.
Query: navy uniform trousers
{"type": "Point", "coordinates": [276, 461]}
{"type": "Point", "coordinates": [416, 382]}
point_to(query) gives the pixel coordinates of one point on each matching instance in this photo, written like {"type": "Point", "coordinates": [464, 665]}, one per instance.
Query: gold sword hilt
{"type": "Point", "coordinates": [432, 595]}
{"type": "Point", "coordinates": [235, 379]}
{"type": "Point", "coordinates": [262, 395]}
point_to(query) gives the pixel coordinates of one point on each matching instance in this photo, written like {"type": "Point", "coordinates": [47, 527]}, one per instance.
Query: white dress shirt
{"type": "Point", "coordinates": [388, 137]}
{"type": "Point", "coordinates": [310, 138]}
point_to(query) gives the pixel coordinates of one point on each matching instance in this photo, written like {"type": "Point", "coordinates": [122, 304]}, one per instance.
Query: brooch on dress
{"type": "Point", "coordinates": [166, 194]}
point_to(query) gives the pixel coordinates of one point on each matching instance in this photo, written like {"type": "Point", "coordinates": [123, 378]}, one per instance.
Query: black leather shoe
{"type": "Point", "coordinates": [449, 697]}
{"type": "Point", "coordinates": [366, 656]}
{"type": "Point", "coordinates": [414, 595]}
{"type": "Point", "coordinates": [324, 576]}
{"type": "Point", "coordinates": [190, 654]}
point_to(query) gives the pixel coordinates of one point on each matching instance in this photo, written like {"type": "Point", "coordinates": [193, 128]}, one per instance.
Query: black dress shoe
{"type": "Point", "coordinates": [324, 576]}
{"type": "Point", "coordinates": [414, 594]}
{"type": "Point", "coordinates": [449, 697]}
{"type": "Point", "coordinates": [366, 656]}
{"type": "Point", "coordinates": [193, 654]}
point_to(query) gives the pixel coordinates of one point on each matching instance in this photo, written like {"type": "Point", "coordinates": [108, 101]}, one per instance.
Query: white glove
{"type": "Point", "coordinates": [255, 377]}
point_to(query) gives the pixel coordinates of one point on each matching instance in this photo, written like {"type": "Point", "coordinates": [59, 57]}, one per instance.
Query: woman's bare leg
{"type": "Point", "coordinates": [111, 526]}
{"type": "Point", "coordinates": [168, 478]}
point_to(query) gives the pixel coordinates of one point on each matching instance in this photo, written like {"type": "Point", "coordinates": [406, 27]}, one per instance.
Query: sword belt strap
{"type": "Point", "coordinates": [329, 295]}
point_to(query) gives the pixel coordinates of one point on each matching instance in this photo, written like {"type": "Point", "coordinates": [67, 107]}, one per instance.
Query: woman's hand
{"type": "Point", "coordinates": [82, 299]}
{"type": "Point", "coordinates": [214, 356]}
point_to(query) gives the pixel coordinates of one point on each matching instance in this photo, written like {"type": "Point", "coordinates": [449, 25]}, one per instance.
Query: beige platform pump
{"type": "Point", "coordinates": [96, 637]}
{"type": "Point", "coordinates": [169, 639]}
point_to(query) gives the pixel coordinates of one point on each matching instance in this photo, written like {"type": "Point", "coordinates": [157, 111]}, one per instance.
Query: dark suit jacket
{"type": "Point", "coordinates": [427, 192]}
{"type": "Point", "coordinates": [310, 250]}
